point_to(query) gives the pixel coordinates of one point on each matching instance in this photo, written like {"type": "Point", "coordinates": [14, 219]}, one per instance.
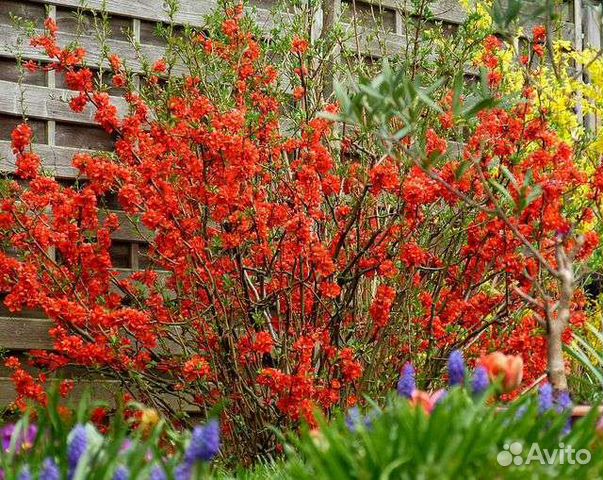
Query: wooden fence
{"type": "Point", "coordinates": [59, 133]}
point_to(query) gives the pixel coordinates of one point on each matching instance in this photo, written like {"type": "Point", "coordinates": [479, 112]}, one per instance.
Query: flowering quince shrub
{"type": "Point", "coordinates": [458, 432]}
{"type": "Point", "coordinates": [296, 267]}
{"type": "Point", "coordinates": [60, 442]}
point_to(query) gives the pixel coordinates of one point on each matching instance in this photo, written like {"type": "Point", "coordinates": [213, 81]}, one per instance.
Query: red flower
{"type": "Point", "coordinates": [21, 137]}
{"type": "Point", "coordinates": [160, 66]}
{"type": "Point", "coordinates": [116, 63]}
{"type": "Point", "coordinates": [435, 145]}
{"type": "Point", "coordinates": [299, 46]}
{"type": "Point", "coordinates": [80, 80]}
{"type": "Point", "coordinates": [426, 401]}
{"type": "Point", "coordinates": [66, 388]}
{"type": "Point", "coordinates": [330, 290]}
{"type": "Point", "coordinates": [299, 93]}
{"type": "Point", "coordinates": [51, 26]}
{"type": "Point", "coordinates": [195, 369]}
{"type": "Point", "coordinates": [382, 305]}
{"type": "Point", "coordinates": [539, 50]}
{"type": "Point", "coordinates": [31, 66]}
{"type": "Point", "coordinates": [118, 81]}
{"type": "Point", "coordinates": [264, 343]}
{"type": "Point", "coordinates": [539, 33]}
{"type": "Point", "coordinates": [350, 368]}
{"type": "Point", "coordinates": [28, 165]}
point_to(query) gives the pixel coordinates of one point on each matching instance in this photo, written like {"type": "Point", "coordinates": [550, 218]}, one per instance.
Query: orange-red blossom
{"type": "Point", "coordinates": [508, 369]}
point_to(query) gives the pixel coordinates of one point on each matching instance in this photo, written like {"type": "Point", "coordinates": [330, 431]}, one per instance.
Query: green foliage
{"type": "Point", "coordinates": [460, 439]}
{"type": "Point", "coordinates": [393, 105]}
{"type": "Point", "coordinates": [139, 447]}
{"type": "Point", "coordinates": [586, 350]}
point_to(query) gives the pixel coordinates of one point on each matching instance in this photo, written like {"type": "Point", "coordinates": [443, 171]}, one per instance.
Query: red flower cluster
{"type": "Point", "coordinates": [28, 387]}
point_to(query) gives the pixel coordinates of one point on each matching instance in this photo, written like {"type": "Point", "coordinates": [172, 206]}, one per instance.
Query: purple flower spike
{"type": "Point", "coordinates": [353, 418]}
{"type": "Point", "coordinates": [563, 401]}
{"type": "Point", "coordinates": [77, 446]}
{"type": "Point", "coordinates": [370, 418]}
{"type": "Point", "coordinates": [481, 381]}
{"type": "Point", "coordinates": [456, 368]}
{"type": "Point", "coordinates": [407, 384]}
{"type": "Point", "coordinates": [122, 473]}
{"type": "Point", "coordinates": [24, 441]}
{"type": "Point", "coordinates": [158, 474]}
{"type": "Point", "coordinates": [50, 471]}
{"type": "Point", "coordinates": [205, 443]}
{"type": "Point", "coordinates": [545, 398]}
{"type": "Point", "coordinates": [183, 471]}
{"type": "Point", "coordinates": [25, 474]}
{"type": "Point", "coordinates": [5, 435]}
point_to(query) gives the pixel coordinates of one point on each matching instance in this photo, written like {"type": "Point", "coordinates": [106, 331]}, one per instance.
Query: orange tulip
{"type": "Point", "coordinates": [508, 368]}
{"type": "Point", "coordinates": [425, 400]}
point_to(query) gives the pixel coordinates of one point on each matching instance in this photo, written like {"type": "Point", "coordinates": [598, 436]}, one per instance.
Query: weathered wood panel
{"type": "Point", "coordinates": [10, 46]}
{"type": "Point", "coordinates": [9, 121]}
{"type": "Point", "coordinates": [10, 71]}
{"type": "Point", "coordinates": [47, 103]}
{"type": "Point", "coordinates": [193, 12]}
{"type": "Point", "coordinates": [57, 160]}
{"type": "Point", "coordinates": [120, 27]}
{"type": "Point", "coordinates": [22, 9]}
{"type": "Point", "coordinates": [370, 14]}
{"type": "Point", "coordinates": [129, 230]}
{"type": "Point", "coordinates": [82, 136]}
{"type": "Point", "coordinates": [104, 390]}
{"type": "Point", "coordinates": [25, 333]}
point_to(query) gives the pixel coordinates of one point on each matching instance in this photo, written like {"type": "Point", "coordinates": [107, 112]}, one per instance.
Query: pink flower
{"type": "Point", "coordinates": [426, 401]}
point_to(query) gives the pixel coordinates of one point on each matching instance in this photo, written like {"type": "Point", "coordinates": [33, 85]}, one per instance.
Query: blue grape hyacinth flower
{"type": "Point", "coordinates": [50, 470]}
{"type": "Point", "coordinates": [407, 384]}
{"type": "Point", "coordinates": [203, 447]}
{"type": "Point", "coordinates": [205, 443]}
{"type": "Point", "coordinates": [122, 473]}
{"type": "Point", "coordinates": [158, 473]}
{"type": "Point", "coordinates": [545, 398]}
{"type": "Point", "coordinates": [481, 381]}
{"type": "Point", "coordinates": [25, 474]}
{"type": "Point", "coordinates": [456, 368]}
{"type": "Point", "coordinates": [353, 419]}
{"type": "Point", "coordinates": [77, 447]}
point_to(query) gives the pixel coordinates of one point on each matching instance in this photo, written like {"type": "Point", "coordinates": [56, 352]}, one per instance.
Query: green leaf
{"type": "Point", "coordinates": [503, 191]}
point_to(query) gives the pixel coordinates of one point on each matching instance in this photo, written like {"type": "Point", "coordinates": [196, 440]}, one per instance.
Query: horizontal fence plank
{"type": "Point", "coordinates": [129, 229]}
{"type": "Point", "coordinates": [48, 103]}
{"type": "Point", "coordinates": [19, 333]}
{"type": "Point", "coordinates": [102, 390]}
{"type": "Point", "coordinates": [25, 333]}
{"type": "Point", "coordinates": [190, 12]}
{"type": "Point", "coordinates": [56, 160]}
{"type": "Point", "coordinates": [193, 12]}
{"type": "Point", "coordinates": [14, 44]}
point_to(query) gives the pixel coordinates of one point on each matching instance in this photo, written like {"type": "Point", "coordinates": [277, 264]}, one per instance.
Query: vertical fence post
{"type": "Point", "coordinates": [593, 33]}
